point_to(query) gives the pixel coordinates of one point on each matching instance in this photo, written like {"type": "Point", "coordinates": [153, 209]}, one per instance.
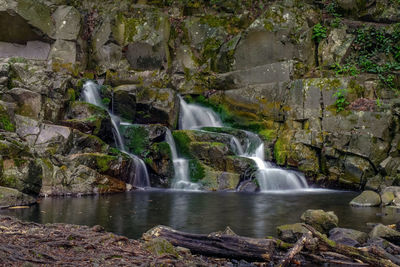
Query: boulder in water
{"type": "Point", "coordinates": [248, 187]}
{"type": "Point", "coordinates": [387, 198]}
{"type": "Point", "coordinates": [321, 220]}
{"type": "Point", "coordinates": [348, 237]}
{"type": "Point", "coordinates": [367, 199]}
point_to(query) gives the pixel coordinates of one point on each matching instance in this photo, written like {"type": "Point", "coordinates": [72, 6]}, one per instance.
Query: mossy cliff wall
{"type": "Point", "coordinates": [318, 81]}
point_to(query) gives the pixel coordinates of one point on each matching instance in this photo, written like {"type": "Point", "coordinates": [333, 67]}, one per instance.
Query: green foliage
{"type": "Point", "coordinates": [378, 102]}
{"type": "Point", "coordinates": [341, 102]}
{"type": "Point", "coordinates": [319, 33]}
{"type": "Point", "coordinates": [182, 141]}
{"type": "Point", "coordinates": [5, 121]}
{"type": "Point", "coordinates": [17, 60]}
{"type": "Point", "coordinates": [336, 22]}
{"type": "Point", "coordinates": [196, 170]}
{"type": "Point", "coordinates": [103, 162]}
{"type": "Point", "coordinates": [377, 50]}
{"type": "Point", "coordinates": [347, 69]}
{"type": "Point", "coordinates": [137, 139]}
{"type": "Point", "coordinates": [106, 101]}
{"type": "Point", "coordinates": [71, 94]}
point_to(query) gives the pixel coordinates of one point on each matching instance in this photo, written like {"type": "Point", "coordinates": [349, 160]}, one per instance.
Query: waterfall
{"type": "Point", "coordinates": [191, 117]}
{"type": "Point", "coordinates": [139, 177]}
{"type": "Point", "coordinates": [269, 176]}
{"type": "Point", "coordinates": [194, 116]}
{"type": "Point", "coordinates": [181, 167]}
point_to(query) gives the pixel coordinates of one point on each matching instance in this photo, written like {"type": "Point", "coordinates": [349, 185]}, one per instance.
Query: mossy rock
{"type": "Point", "coordinates": [11, 197]}
{"type": "Point", "coordinates": [322, 221]}
{"type": "Point", "coordinates": [160, 247]}
{"type": "Point", "coordinates": [6, 122]}
{"type": "Point", "coordinates": [291, 232]}
{"type": "Point", "coordinates": [137, 139]}
{"type": "Point", "coordinates": [91, 119]}
{"type": "Point", "coordinates": [367, 199]}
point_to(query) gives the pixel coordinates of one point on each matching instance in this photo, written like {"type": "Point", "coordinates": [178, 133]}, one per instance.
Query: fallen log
{"type": "Point", "coordinates": [217, 245]}
{"type": "Point", "coordinates": [295, 250]}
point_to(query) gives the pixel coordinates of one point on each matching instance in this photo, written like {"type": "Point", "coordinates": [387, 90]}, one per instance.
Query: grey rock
{"type": "Point", "coordinates": [348, 237]}
{"type": "Point", "coordinates": [142, 56]}
{"type": "Point", "coordinates": [367, 199]}
{"type": "Point", "coordinates": [32, 50]}
{"type": "Point", "coordinates": [11, 197]}
{"type": "Point", "coordinates": [67, 23]}
{"type": "Point", "coordinates": [248, 187]}
{"type": "Point", "coordinates": [63, 52]}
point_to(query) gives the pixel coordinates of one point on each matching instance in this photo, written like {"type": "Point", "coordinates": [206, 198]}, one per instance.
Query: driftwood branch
{"type": "Point", "coordinates": [295, 250]}
{"type": "Point", "coordinates": [325, 244]}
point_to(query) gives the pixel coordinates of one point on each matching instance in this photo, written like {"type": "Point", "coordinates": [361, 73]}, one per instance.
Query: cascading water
{"type": "Point", "coordinates": [193, 116]}
{"type": "Point", "coordinates": [269, 177]}
{"type": "Point", "coordinates": [139, 177]}
{"type": "Point", "coordinates": [181, 168]}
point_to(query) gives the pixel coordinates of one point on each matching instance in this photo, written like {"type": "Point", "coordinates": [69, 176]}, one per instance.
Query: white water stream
{"type": "Point", "coordinates": [269, 177]}
{"type": "Point", "coordinates": [139, 177]}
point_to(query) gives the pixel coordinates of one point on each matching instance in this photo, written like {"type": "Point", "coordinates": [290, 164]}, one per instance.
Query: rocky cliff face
{"type": "Point", "coordinates": [318, 81]}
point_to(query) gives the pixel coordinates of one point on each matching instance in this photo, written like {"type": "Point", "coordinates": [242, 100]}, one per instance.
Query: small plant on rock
{"type": "Point", "coordinates": [341, 102]}
{"type": "Point", "coordinates": [319, 33]}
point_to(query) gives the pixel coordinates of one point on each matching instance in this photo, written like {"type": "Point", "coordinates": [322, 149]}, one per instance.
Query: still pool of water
{"type": "Point", "coordinates": [254, 215]}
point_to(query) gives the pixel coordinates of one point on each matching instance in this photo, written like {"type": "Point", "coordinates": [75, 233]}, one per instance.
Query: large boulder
{"type": "Point", "coordinates": [28, 103]}
{"type": "Point", "coordinates": [281, 33]}
{"type": "Point", "coordinates": [23, 174]}
{"type": "Point", "coordinates": [157, 105]}
{"type": "Point", "coordinates": [67, 22]}
{"type": "Point", "coordinates": [89, 119]}
{"type": "Point", "coordinates": [322, 221]}
{"type": "Point", "coordinates": [23, 16]}
{"type": "Point", "coordinates": [348, 237]}
{"type": "Point", "coordinates": [142, 104]}
{"type": "Point", "coordinates": [367, 199]}
{"type": "Point", "coordinates": [145, 32]}
{"type": "Point", "coordinates": [11, 197]}
{"type": "Point", "coordinates": [77, 180]}
{"type": "Point", "coordinates": [333, 49]}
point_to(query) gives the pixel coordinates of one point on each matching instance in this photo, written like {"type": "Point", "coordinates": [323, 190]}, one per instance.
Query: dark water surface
{"type": "Point", "coordinates": [254, 215]}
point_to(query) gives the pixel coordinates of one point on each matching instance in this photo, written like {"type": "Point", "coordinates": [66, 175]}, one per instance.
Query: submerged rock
{"type": "Point", "coordinates": [322, 221]}
{"type": "Point", "coordinates": [367, 199]}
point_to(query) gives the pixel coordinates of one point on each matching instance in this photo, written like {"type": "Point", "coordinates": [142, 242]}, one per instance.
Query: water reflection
{"type": "Point", "coordinates": [255, 215]}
